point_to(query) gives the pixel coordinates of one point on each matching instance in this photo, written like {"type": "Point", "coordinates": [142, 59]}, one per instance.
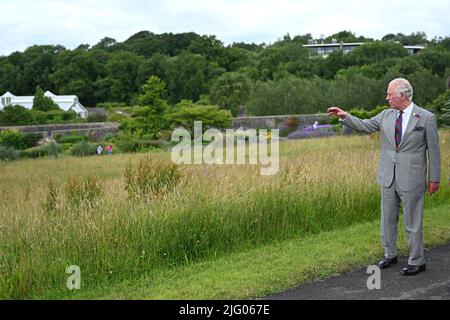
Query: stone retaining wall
{"type": "Point", "coordinates": [101, 128]}
{"type": "Point", "coordinates": [277, 122]}
{"type": "Point", "coordinates": [94, 130]}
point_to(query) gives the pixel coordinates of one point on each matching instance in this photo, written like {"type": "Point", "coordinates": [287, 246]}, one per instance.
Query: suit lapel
{"type": "Point", "coordinates": [413, 119]}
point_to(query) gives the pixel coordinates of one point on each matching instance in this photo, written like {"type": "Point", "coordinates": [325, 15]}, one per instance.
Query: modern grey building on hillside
{"type": "Point", "coordinates": [324, 49]}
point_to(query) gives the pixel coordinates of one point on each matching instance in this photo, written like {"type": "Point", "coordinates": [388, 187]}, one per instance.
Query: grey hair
{"type": "Point", "coordinates": [403, 86]}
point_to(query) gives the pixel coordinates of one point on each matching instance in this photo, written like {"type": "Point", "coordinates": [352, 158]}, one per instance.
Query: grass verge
{"type": "Point", "coordinates": [267, 269]}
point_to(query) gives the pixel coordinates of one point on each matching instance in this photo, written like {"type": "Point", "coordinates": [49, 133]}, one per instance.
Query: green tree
{"type": "Point", "coordinates": [108, 90]}
{"type": "Point", "coordinates": [375, 52]}
{"type": "Point", "coordinates": [148, 120]}
{"type": "Point", "coordinates": [434, 59]}
{"type": "Point", "coordinates": [289, 95]}
{"type": "Point", "coordinates": [186, 112]}
{"type": "Point", "coordinates": [43, 103]}
{"type": "Point", "coordinates": [75, 72]}
{"type": "Point", "coordinates": [280, 60]}
{"type": "Point", "coordinates": [427, 86]}
{"type": "Point", "coordinates": [344, 36]}
{"type": "Point", "coordinates": [38, 63]}
{"type": "Point", "coordinates": [233, 58]}
{"type": "Point", "coordinates": [231, 90]}
{"type": "Point", "coordinates": [105, 44]}
{"type": "Point", "coordinates": [407, 65]}
{"type": "Point", "coordinates": [332, 64]}
{"type": "Point", "coordinates": [123, 67]}
{"type": "Point", "coordinates": [438, 104]}
{"type": "Point", "coordinates": [189, 76]}
{"type": "Point", "coordinates": [208, 46]}
{"type": "Point", "coordinates": [412, 39]}
{"type": "Point", "coordinates": [10, 77]}
{"type": "Point", "coordinates": [155, 66]}
{"type": "Point", "coordinates": [154, 90]}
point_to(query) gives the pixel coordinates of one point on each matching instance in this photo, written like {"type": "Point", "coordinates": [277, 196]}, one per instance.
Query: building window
{"type": "Point", "coordinates": [6, 101]}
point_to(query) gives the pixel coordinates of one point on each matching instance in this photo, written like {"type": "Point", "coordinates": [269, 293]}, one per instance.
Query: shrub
{"type": "Point", "coordinates": [69, 116]}
{"type": "Point", "coordinates": [125, 143]}
{"type": "Point", "coordinates": [292, 122]}
{"type": "Point", "coordinates": [15, 115]}
{"type": "Point", "coordinates": [377, 110]}
{"type": "Point", "coordinates": [71, 139]}
{"type": "Point", "coordinates": [53, 149]}
{"type": "Point", "coordinates": [366, 114]}
{"type": "Point", "coordinates": [35, 152]}
{"type": "Point", "coordinates": [55, 116]}
{"type": "Point", "coordinates": [38, 117]}
{"type": "Point", "coordinates": [440, 102]}
{"type": "Point", "coordinates": [109, 137]}
{"type": "Point", "coordinates": [12, 139]}
{"type": "Point", "coordinates": [83, 148]}
{"type": "Point", "coordinates": [441, 107]}
{"type": "Point", "coordinates": [284, 132]}
{"type": "Point", "coordinates": [31, 139]}
{"type": "Point", "coordinates": [97, 118]}
{"type": "Point", "coordinates": [115, 117]}
{"type": "Point", "coordinates": [66, 146]}
{"type": "Point", "coordinates": [444, 118]}
{"type": "Point", "coordinates": [8, 154]}
{"type": "Point", "coordinates": [360, 113]}
{"type": "Point", "coordinates": [111, 105]}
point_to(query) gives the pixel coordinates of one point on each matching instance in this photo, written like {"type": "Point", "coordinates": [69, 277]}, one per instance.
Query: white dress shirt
{"type": "Point", "coordinates": [405, 117]}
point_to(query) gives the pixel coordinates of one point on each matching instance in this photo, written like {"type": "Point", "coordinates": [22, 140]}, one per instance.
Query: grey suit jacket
{"type": "Point", "coordinates": [407, 163]}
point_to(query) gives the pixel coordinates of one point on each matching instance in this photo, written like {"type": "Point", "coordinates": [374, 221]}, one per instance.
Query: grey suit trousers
{"type": "Point", "coordinates": [413, 205]}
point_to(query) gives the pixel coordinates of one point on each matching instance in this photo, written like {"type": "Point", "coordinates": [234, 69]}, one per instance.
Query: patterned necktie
{"type": "Point", "coordinates": [398, 129]}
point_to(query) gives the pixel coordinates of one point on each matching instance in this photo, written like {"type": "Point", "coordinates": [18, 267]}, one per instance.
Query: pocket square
{"type": "Point", "coordinates": [418, 128]}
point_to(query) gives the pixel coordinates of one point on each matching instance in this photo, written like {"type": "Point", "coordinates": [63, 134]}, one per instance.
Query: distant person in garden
{"type": "Point", "coordinates": [109, 149]}
{"type": "Point", "coordinates": [99, 150]}
{"type": "Point", "coordinates": [408, 134]}
{"type": "Point", "coordinates": [315, 125]}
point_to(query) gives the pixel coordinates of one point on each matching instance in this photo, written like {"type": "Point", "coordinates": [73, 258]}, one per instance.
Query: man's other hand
{"type": "Point", "coordinates": [335, 111]}
{"type": "Point", "coordinates": [433, 187]}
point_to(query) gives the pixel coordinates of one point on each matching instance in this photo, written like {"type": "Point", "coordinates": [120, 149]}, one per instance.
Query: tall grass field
{"type": "Point", "coordinates": [118, 217]}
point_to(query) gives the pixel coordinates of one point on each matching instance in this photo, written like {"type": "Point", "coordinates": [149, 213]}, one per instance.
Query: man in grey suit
{"type": "Point", "coordinates": [407, 133]}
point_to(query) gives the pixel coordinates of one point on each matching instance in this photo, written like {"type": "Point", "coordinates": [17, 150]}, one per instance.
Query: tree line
{"type": "Point", "coordinates": [270, 79]}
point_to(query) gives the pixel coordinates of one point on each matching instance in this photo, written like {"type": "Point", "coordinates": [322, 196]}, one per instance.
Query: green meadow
{"type": "Point", "coordinates": [140, 227]}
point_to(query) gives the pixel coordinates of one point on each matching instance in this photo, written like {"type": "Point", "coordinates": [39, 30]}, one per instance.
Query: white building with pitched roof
{"type": "Point", "coordinates": [66, 103]}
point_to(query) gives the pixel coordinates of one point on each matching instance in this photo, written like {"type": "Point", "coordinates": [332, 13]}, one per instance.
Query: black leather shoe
{"type": "Point", "coordinates": [413, 270]}
{"type": "Point", "coordinates": [387, 262]}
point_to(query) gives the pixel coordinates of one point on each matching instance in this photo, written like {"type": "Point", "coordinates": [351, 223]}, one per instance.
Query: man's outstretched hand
{"type": "Point", "coordinates": [335, 111]}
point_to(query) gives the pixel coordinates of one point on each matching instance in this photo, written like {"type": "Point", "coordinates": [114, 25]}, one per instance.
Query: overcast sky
{"type": "Point", "coordinates": [69, 23]}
